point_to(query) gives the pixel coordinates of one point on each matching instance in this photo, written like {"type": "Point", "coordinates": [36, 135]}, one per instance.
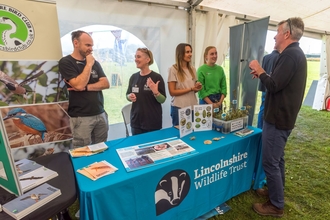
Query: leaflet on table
{"type": "Point", "coordinates": [88, 150]}
{"type": "Point", "coordinates": [244, 132]}
{"type": "Point", "coordinates": [98, 147]}
{"type": "Point", "coordinates": [26, 166]}
{"type": "Point", "coordinates": [97, 170]}
{"type": "Point", "coordinates": [30, 201]}
{"type": "Point", "coordinates": [153, 153]}
{"type": "Point", "coordinates": [36, 177]}
{"type": "Point", "coordinates": [185, 121]}
{"type": "Point", "coordinates": [202, 117]}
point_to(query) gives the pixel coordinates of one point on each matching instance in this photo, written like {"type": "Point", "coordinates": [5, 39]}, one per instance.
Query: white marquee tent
{"type": "Point", "coordinates": [162, 24]}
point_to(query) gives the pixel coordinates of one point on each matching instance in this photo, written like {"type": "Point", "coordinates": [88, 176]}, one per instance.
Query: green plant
{"type": "Point", "coordinates": [233, 112]}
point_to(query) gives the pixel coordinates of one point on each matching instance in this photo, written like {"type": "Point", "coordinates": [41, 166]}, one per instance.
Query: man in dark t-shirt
{"type": "Point", "coordinates": [85, 79]}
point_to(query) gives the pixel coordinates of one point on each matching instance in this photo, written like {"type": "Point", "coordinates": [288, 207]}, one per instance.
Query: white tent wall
{"type": "Point", "coordinates": [140, 19]}
{"type": "Point", "coordinates": [322, 89]}
{"type": "Point", "coordinates": [211, 30]}
{"type": "Point", "coordinates": [162, 24]}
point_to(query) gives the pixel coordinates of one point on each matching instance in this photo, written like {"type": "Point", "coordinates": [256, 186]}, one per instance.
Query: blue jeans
{"type": "Point", "coordinates": [261, 111]}
{"type": "Point", "coordinates": [273, 144]}
{"type": "Point", "coordinates": [214, 98]}
{"type": "Point", "coordinates": [175, 115]}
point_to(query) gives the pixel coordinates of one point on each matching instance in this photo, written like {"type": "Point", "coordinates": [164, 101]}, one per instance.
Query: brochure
{"type": "Point", "coordinates": [185, 121]}
{"type": "Point", "coordinates": [35, 178]}
{"type": "Point", "coordinates": [244, 132]}
{"type": "Point", "coordinates": [97, 170]}
{"type": "Point", "coordinates": [88, 150]}
{"type": "Point", "coordinates": [203, 117]}
{"type": "Point", "coordinates": [26, 166]}
{"type": "Point", "coordinates": [96, 148]}
{"type": "Point", "coordinates": [153, 153]}
{"type": "Point", "coordinates": [30, 201]}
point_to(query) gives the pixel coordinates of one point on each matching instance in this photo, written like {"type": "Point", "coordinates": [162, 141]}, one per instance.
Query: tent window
{"type": "Point", "coordinates": [114, 48]}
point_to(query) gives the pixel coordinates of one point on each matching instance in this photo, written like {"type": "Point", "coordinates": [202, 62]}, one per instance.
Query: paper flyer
{"type": "Point", "coordinates": [203, 117]}
{"type": "Point", "coordinates": [185, 121]}
{"type": "Point", "coordinates": [153, 153]}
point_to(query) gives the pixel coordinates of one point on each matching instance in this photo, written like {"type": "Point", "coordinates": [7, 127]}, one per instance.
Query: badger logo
{"type": "Point", "coordinates": [171, 190]}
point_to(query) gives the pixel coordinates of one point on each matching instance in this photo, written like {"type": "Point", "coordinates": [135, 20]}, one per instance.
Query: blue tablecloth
{"type": "Point", "coordinates": [185, 188]}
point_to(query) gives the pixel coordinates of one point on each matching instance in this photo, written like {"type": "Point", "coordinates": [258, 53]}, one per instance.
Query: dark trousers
{"type": "Point", "coordinates": [175, 115]}
{"type": "Point", "coordinates": [136, 131]}
{"type": "Point", "coordinates": [214, 98]}
{"type": "Point", "coordinates": [273, 144]}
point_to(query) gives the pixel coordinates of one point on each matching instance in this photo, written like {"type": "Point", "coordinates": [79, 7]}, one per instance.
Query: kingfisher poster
{"type": "Point", "coordinates": [35, 130]}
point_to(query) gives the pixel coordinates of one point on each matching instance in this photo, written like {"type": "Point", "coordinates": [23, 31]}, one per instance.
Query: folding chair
{"type": "Point", "coordinates": [126, 112]}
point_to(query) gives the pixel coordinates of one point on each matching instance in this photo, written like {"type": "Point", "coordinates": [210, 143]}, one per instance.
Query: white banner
{"type": "Point", "coordinates": [29, 31]}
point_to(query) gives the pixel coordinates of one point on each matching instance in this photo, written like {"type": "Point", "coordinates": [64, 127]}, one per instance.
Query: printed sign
{"type": "Point", "coordinates": [17, 32]}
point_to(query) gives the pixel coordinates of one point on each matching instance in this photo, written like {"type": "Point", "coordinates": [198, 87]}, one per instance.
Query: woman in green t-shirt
{"type": "Point", "coordinates": [213, 79]}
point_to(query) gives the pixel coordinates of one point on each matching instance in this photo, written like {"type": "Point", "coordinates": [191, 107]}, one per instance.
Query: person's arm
{"type": "Point", "coordinates": [158, 88]}
{"type": "Point", "coordinates": [160, 98]}
{"type": "Point", "coordinates": [79, 83]}
{"type": "Point", "coordinates": [202, 92]}
{"type": "Point", "coordinates": [177, 92]}
{"type": "Point", "coordinates": [130, 96]}
{"type": "Point", "coordinates": [103, 83]}
{"type": "Point", "coordinates": [281, 76]}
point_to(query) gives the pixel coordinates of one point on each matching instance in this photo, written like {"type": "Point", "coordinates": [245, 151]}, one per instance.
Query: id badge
{"type": "Point", "coordinates": [135, 89]}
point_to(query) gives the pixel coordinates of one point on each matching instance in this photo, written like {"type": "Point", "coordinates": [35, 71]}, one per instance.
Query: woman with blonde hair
{"type": "Point", "coordinates": [213, 79]}
{"type": "Point", "coordinates": [146, 91]}
{"type": "Point", "coordinates": [182, 81]}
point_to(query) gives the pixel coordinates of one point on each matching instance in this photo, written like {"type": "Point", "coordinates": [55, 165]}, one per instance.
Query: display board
{"type": "Point", "coordinates": [32, 94]}
{"type": "Point", "coordinates": [8, 178]}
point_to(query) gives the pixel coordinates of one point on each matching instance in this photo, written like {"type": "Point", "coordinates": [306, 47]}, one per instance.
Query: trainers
{"type": "Point", "coordinates": [262, 192]}
{"type": "Point", "coordinates": [267, 208]}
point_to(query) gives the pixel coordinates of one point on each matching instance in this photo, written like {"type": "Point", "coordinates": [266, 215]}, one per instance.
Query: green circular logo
{"type": "Point", "coordinates": [16, 30]}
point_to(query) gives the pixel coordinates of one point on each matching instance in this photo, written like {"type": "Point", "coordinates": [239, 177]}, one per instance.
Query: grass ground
{"type": "Point", "coordinates": [307, 156]}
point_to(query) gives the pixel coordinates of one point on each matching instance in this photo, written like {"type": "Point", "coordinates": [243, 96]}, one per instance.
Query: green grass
{"type": "Point", "coordinates": [307, 156]}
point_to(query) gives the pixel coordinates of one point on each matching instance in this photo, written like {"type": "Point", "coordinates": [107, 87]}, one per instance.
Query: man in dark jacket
{"type": "Point", "coordinates": [285, 92]}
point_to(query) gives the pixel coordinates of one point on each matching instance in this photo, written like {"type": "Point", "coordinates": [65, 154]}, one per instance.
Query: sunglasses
{"type": "Point", "coordinates": [145, 50]}
{"type": "Point", "coordinates": [289, 23]}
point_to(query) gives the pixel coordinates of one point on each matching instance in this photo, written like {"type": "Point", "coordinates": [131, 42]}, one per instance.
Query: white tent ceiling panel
{"type": "Point", "coordinates": [316, 13]}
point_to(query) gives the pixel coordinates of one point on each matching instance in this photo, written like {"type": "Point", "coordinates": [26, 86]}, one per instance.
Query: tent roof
{"type": "Point", "coordinates": [316, 13]}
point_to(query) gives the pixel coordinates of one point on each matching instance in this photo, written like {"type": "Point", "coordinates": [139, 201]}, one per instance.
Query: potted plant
{"type": "Point", "coordinates": [232, 120]}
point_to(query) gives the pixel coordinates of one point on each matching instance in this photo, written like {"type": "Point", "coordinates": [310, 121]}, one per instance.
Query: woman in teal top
{"type": "Point", "coordinates": [213, 79]}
